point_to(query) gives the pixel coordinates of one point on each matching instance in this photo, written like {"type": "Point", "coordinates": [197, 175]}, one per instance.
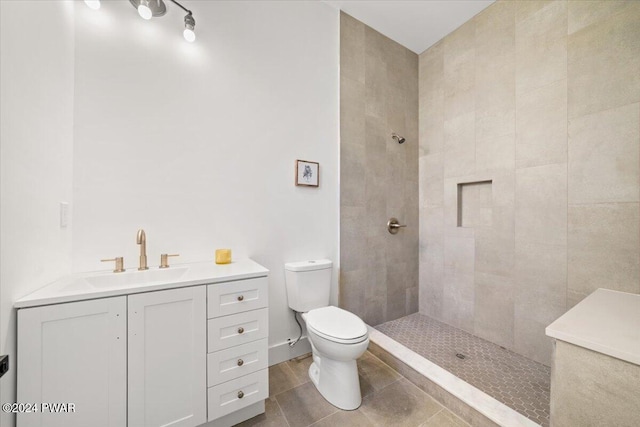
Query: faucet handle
{"type": "Point", "coordinates": [119, 263]}
{"type": "Point", "coordinates": [164, 260]}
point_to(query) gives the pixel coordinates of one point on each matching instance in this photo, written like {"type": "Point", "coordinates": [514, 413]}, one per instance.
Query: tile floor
{"type": "Point", "coordinates": [388, 400]}
{"type": "Point", "coordinates": [514, 380]}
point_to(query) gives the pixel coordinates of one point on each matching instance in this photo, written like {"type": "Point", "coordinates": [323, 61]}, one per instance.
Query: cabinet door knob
{"type": "Point", "coordinates": [240, 297]}
{"type": "Point", "coordinates": [240, 362]}
{"type": "Point", "coordinates": [240, 330]}
{"type": "Point", "coordinates": [240, 394]}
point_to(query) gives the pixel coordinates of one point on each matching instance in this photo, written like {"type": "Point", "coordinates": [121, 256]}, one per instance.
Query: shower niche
{"type": "Point", "coordinates": [475, 204]}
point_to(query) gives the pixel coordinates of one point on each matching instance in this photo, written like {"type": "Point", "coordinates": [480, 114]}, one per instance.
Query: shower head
{"type": "Point", "coordinates": [398, 138]}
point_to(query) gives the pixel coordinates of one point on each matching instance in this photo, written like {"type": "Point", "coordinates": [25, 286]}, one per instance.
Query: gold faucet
{"type": "Point", "coordinates": [141, 239]}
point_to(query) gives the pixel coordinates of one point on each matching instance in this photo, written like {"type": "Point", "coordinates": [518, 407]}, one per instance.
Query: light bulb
{"type": "Point", "coordinates": [189, 26]}
{"type": "Point", "coordinates": [144, 11]}
{"type": "Point", "coordinates": [189, 35]}
{"type": "Point", "coordinates": [93, 4]}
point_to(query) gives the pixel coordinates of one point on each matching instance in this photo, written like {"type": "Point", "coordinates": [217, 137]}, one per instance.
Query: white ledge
{"type": "Point", "coordinates": [606, 321]}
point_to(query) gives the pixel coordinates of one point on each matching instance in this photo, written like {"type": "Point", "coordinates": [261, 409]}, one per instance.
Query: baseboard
{"type": "Point", "coordinates": [282, 352]}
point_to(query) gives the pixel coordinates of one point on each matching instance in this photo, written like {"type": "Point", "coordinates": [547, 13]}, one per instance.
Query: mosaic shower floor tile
{"type": "Point", "coordinates": [518, 382]}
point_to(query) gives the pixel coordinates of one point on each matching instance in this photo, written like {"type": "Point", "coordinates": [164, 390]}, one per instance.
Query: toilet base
{"type": "Point", "coordinates": [337, 381]}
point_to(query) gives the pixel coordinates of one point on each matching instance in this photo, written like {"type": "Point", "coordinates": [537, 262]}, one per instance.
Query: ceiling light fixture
{"type": "Point", "coordinates": [148, 9]}
{"type": "Point", "coordinates": [93, 4]}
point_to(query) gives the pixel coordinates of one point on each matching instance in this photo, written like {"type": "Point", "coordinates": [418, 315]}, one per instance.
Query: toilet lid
{"type": "Point", "coordinates": [335, 322]}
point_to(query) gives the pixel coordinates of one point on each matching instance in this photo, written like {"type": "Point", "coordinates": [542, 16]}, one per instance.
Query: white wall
{"type": "Point", "coordinates": [196, 143]}
{"type": "Point", "coordinates": [36, 138]}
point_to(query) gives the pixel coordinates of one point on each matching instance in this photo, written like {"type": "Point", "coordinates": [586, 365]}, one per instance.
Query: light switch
{"type": "Point", "coordinates": [64, 214]}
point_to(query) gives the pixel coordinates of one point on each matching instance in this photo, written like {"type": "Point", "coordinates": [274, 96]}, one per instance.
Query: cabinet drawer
{"type": "Point", "coordinates": [235, 297]}
{"type": "Point", "coordinates": [225, 365]}
{"type": "Point", "coordinates": [241, 328]}
{"type": "Point", "coordinates": [234, 395]}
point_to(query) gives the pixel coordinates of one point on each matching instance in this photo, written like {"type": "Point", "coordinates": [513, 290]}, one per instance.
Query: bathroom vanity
{"type": "Point", "coordinates": [183, 346]}
{"type": "Point", "coordinates": [595, 370]}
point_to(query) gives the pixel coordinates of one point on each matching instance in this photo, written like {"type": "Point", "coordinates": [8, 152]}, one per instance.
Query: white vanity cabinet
{"type": "Point", "coordinates": [186, 353]}
{"type": "Point", "coordinates": [167, 364]}
{"type": "Point", "coordinates": [237, 363]}
{"type": "Point", "coordinates": [74, 353]}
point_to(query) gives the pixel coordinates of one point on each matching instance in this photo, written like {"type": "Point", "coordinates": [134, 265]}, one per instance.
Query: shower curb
{"type": "Point", "coordinates": [469, 403]}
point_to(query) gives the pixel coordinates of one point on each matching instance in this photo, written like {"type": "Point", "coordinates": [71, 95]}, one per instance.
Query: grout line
{"type": "Point", "coordinates": [282, 412]}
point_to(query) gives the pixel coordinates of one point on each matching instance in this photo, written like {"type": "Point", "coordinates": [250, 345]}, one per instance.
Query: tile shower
{"type": "Point", "coordinates": [528, 175]}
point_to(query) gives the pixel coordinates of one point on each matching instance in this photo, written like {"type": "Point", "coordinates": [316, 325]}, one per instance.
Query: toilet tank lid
{"type": "Point", "coordinates": [317, 264]}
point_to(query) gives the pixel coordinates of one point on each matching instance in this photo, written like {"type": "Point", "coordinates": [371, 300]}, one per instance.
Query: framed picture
{"type": "Point", "coordinates": [307, 173]}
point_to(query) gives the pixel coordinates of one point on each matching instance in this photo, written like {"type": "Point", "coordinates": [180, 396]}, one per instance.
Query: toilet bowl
{"type": "Point", "coordinates": [337, 338]}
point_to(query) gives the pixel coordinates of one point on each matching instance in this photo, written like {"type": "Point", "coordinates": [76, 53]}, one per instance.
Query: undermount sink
{"type": "Point", "coordinates": [134, 277]}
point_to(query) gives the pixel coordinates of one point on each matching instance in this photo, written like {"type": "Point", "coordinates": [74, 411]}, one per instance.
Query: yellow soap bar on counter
{"type": "Point", "coordinates": [223, 256]}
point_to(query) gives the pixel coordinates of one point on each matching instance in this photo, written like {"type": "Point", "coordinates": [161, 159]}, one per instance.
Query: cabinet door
{"type": "Point", "coordinates": [74, 353]}
{"type": "Point", "coordinates": [167, 358]}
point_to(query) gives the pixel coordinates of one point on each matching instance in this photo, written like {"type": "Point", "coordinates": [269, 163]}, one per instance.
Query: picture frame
{"type": "Point", "coordinates": [307, 173]}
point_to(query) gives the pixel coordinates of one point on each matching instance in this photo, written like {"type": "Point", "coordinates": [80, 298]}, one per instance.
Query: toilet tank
{"type": "Point", "coordinates": [308, 284]}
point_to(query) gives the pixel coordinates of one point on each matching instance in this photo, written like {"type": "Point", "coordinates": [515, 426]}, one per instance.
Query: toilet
{"type": "Point", "coordinates": [337, 336]}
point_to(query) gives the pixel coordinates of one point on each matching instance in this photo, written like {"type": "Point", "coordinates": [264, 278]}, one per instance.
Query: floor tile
{"type": "Point", "coordinates": [374, 374]}
{"type": "Point", "coordinates": [272, 416]}
{"type": "Point", "coordinates": [399, 404]}
{"type": "Point", "coordinates": [345, 419]}
{"type": "Point", "coordinates": [300, 367]}
{"type": "Point", "coordinates": [282, 378]}
{"type": "Point", "coordinates": [304, 405]}
{"type": "Point", "coordinates": [444, 418]}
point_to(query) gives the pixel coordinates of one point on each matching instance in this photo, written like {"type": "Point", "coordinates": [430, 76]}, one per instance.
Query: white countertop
{"type": "Point", "coordinates": [79, 286]}
{"type": "Point", "coordinates": [606, 321]}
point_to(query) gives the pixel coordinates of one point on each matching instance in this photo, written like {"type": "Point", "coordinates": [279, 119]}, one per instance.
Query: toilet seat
{"type": "Point", "coordinates": [337, 325]}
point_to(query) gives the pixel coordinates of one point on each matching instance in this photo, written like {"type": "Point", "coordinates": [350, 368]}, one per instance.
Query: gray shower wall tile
{"type": "Point", "coordinates": [378, 175]}
{"type": "Point", "coordinates": [352, 238]}
{"type": "Point", "coordinates": [352, 119]}
{"type": "Point", "coordinates": [431, 179]}
{"type": "Point", "coordinates": [351, 48]}
{"type": "Point", "coordinates": [495, 71]}
{"type": "Point", "coordinates": [431, 287]}
{"type": "Point", "coordinates": [376, 89]}
{"type": "Point", "coordinates": [597, 81]}
{"type": "Point", "coordinates": [541, 269]}
{"type": "Point", "coordinates": [604, 248]}
{"type": "Point", "coordinates": [458, 300]}
{"type": "Point", "coordinates": [542, 126]}
{"type": "Point", "coordinates": [494, 308]}
{"type": "Point", "coordinates": [352, 295]}
{"type": "Point", "coordinates": [582, 13]}
{"type": "Point", "coordinates": [530, 324]}
{"type": "Point", "coordinates": [541, 45]}
{"type": "Point", "coordinates": [495, 153]}
{"type": "Point", "coordinates": [352, 174]}
{"type": "Point", "coordinates": [541, 204]}
{"type": "Point", "coordinates": [494, 253]}
{"type": "Point", "coordinates": [459, 71]}
{"type": "Point", "coordinates": [459, 256]}
{"type": "Point", "coordinates": [604, 153]}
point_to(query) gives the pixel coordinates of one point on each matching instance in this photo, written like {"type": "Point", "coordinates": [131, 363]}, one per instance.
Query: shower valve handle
{"type": "Point", "coordinates": [393, 225]}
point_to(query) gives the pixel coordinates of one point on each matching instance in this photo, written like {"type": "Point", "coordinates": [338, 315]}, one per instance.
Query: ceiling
{"type": "Point", "coordinates": [415, 24]}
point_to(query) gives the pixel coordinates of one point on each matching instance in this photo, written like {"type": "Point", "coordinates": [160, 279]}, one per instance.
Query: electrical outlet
{"type": "Point", "coordinates": [4, 364]}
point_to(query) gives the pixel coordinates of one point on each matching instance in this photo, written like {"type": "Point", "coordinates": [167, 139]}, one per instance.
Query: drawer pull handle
{"type": "Point", "coordinates": [240, 394]}
{"type": "Point", "coordinates": [240, 362]}
{"type": "Point", "coordinates": [240, 330]}
{"type": "Point", "coordinates": [240, 297]}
